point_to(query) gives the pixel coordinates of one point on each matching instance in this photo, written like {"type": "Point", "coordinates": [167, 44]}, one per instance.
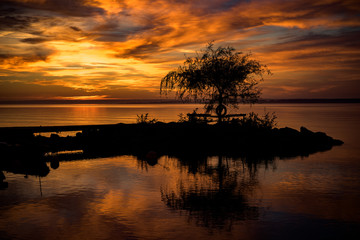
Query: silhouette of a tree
{"type": "Point", "coordinates": [221, 77]}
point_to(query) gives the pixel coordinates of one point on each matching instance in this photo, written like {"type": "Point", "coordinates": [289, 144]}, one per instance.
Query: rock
{"type": "Point", "coordinates": [305, 131]}
{"type": "Point", "coordinates": [337, 142]}
{"type": "Point", "coordinates": [289, 132]}
{"type": "Point", "coordinates": [54, 136]}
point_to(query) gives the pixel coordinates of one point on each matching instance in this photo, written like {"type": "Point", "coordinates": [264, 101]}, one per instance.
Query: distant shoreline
{"type": "Point", "coordinates": [171, 101]}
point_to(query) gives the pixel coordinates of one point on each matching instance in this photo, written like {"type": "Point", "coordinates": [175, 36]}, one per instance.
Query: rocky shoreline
{"type": "Point", "coordinates": [171, 138]}
{"type": "Point", "coordinates": [24, 153]}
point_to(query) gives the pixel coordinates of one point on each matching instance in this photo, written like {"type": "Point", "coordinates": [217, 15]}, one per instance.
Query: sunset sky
{"type": "Point", "coordinates": [120, 49]}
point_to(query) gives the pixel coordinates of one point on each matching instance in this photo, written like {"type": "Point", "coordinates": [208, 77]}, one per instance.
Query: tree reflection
{"type": "Point", "coordinates": [217, 194]}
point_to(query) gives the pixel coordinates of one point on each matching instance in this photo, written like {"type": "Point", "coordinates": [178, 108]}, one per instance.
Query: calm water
{"type": "Point", "coordinates": [314, 197]}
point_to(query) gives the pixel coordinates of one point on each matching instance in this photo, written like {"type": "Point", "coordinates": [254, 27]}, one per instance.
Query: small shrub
{"type": "Point", "coordinates": [183, 118]}
{"type": "Point", "coordinates": [144, 118]}
{"type": "Point", "coordinates": [252, 120]}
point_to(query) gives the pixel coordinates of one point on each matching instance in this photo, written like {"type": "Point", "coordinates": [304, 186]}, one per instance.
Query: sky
{"type": "Point", "coordinates": [120, 49]}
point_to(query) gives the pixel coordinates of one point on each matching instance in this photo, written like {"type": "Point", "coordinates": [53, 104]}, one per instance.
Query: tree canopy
{"type": "Point", "coordinates": [216, 76]}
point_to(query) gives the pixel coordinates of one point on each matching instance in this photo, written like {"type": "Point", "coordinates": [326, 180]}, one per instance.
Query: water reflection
{"type": "Point", "coordinates": [216, 196]}
{"type": "Point", "coordinates": [212, 191]}
{"type": "Point", "coordinates": [187, 196]}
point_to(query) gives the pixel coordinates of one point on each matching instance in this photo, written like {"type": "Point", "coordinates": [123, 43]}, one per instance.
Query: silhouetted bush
{"type": "Point", "coordinates": [253, 120]}
{"type": "Point", "coordinates": [144, 118]}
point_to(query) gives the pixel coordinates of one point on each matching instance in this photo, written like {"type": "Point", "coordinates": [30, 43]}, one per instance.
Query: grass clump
{"type": "Point", "coordinates": [144, 119]}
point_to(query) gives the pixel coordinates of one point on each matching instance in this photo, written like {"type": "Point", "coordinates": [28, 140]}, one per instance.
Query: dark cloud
{"type": "Point", "coordinates": [308, 9]}
{"type": "Point", "coordinates": [341, 38]}
{"type": "Point", "coordinates": [20, 59]}
{"type": "Point", "coordinates": [77, 8]}
{"type": "Point", "coordinates": [344, 39]}
{"type": "Point", "coordinates": [70, 7]}
{"type": "Point", "coordinates": [75, 28]}
{"type": "Point", "coordinates": [34, 40]}
{"type": "Point", "coordinates": [22, 16]}
{"type": "Point", "coordinates": [326, 85]}
{"type": "Point", "coordinates": [29, 55]}
{"type": "Point", "coordinates": [9, 8]}
{"type": "Point", "coordinates": [16, 22]}
{"type": "Point", "coordinates": [120, 29]}
{"type": "Point", "coordinates": [204, 7]}
{"type": "Point", "coordinates": [112, 36]}
{"type": "Point", "coordinates": [140, 51]}
{"type": "Point", "coordinates": [331, 59]}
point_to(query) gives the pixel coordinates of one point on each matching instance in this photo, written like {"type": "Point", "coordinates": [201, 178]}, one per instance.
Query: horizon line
{"type": "Point", "coordinates": [169, 101]}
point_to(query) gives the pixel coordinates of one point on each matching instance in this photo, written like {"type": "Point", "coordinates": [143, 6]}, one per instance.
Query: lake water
{"type": "Point", "coordinates": [122, 197]}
